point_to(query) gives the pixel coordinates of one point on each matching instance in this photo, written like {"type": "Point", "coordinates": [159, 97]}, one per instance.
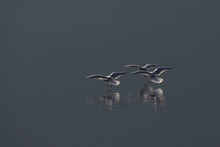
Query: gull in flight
{"type": "Point", "coordinates": [153, 75]}
{"type": "Point", "coordinates": [145, 67]}
{"type": "Point", "coordinates": [110, 79]}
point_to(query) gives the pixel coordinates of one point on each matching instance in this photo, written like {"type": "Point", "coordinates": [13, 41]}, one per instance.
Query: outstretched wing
{"type": "Point", "coordinates": [150, 66]}
{"type": "Point", "coordinates": [140, 72]}
{"type": "Point", "coordinates": [132, 65]}
{"type": "Point", "coordinates": [116, 75]}
{"type": "Point", "coordinates": [160, 70]}
{"type": "Point", "coordinates": [97, 77]}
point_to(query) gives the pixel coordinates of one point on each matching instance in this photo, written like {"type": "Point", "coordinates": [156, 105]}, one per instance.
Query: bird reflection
{"type": "Point", "coordinates": [147, 96]}
{"type": "Point", "coordinates": [109, 100]}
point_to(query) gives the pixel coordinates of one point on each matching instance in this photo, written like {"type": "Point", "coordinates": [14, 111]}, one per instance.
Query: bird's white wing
{"type": "Point", "coordinates": [116, 75]}
{"type": "Point", "coordinates": [97, 77]}
{"type": "Point", "coordinates": [150, 66]}
{"type": "Point", "coordinates": [132, 65]}
{"type": "Point", "coordinates": [141, 72]}
{"type": "Point", "coordinates": [160, 70]}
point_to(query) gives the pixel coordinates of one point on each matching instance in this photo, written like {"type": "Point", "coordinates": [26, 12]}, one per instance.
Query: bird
{"type": "Point", "coordinates": [145, 67]}
{"type": "Point", "coordinates": [153, 75]}
{"type": "Point", "coordinates": [110, 79]}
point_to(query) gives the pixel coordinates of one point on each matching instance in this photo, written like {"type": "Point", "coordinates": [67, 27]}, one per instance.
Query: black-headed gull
{"type": "Point", "coordinates": [153, 75]}
{"type": "Point", "coordinates": [145, 67]}
{"type": "Point", "coordinates": [110, 79]}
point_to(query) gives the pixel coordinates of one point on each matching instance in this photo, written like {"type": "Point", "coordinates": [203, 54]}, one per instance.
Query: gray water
{"type": "Point", "coordinates": [49, 47]}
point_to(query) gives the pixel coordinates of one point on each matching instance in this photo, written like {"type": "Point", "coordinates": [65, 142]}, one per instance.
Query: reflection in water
{"type": "Point", "coordinates": [155, 97]}
{"type": "Point", "coordinates": [109, 100]}
{"type": "Point", "coordinates": [147, 96]}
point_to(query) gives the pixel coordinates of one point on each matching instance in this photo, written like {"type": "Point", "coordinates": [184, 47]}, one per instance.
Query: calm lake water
{"type": "Point", "coordinates": [49, 47]}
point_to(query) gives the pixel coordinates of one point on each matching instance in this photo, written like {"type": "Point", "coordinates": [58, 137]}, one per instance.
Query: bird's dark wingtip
{"type": "Point", "coordinates": [171, 67]}
{"type": "Point", "coordinates": [122, 72]}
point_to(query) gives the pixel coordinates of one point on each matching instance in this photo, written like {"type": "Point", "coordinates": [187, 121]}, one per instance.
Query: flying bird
{"type": "Point", "coordinates": [153, 75]}
{"type": "Point", "coordinates": [110, 79]}
{"type": "Point", "coordinates": [145, 67]}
